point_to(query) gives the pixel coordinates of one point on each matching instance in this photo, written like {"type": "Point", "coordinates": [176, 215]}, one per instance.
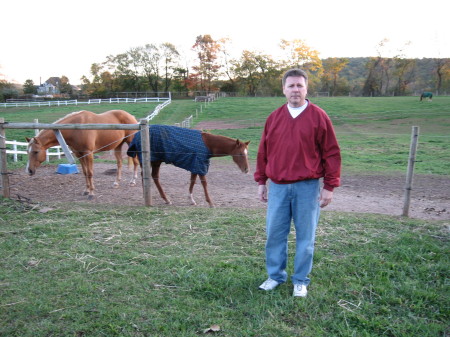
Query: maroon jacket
{"type": "Point", "coordinates": [301, 148]}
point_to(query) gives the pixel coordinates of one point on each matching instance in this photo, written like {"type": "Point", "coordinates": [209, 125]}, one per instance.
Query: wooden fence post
{"type": "Point", "coordinates": [409, 174]}
{"type": "Point", "coordinates": [36, 131]}
{"type": "Point", "coordinates": [65, 148]}
{"type": "Point", "coordinates": [3, 165]}
{"type": "Point", "coordinates": [146, 172]}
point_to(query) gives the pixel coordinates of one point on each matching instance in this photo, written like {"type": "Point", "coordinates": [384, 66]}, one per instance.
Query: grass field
{"type": "Point", "coordinates": [83, 271]}
{"type": "Point", "coordinates": [80, 270]}
{"type": "Point", "coordinates": [374, 133]}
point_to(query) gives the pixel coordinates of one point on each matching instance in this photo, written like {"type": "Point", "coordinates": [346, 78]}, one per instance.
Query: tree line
{"type": "Point", "coordinates": [163, 68]}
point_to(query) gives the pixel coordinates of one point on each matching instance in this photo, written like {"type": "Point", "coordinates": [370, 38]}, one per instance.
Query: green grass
{"type": "Point", "coordinates": [85, 271]}
{"type": "Point", "coordinates": [374, 133]}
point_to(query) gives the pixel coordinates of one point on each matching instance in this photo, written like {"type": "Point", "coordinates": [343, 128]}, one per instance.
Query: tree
{"type": "Point", "coordinates": [151, 58]}
{"type": "Point", "coordinates": [331, 69]}
{"type": "Point", "coordinates": [96, 86]}
{"type": "Point", "coordinates": [123, 70]}
{"type": "Point", "coordinates": [403, 69]}
{"type": "Point", "coordinates": [258, 72]}
{"type": "Point", "coordinates": [64, 86]}
{"type": "Point", "coordinates": [442, 72]}
{"type": "Point", "coordinates": [300, 55]}
{"type": "Point", "coordinates": [207, 68]}
{"type": "Point", "coordinates": [180, 79]}
{"type": "Point", "coordinates": [246, 71]}
{"type": "Point", "coordinates": [7, 90]}
{"type": "Point", "coordinates": [170, 56]}
{"type": "Point", "coordinates": [372, 84]}
{"type": "Point", "coordinates": [29, 87]}
{"type": "Point", "coordinates": [134, 59]}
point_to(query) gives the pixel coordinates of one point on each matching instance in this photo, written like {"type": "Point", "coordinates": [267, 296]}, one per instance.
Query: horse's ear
{"type": "Point", "coordinates": [246, 143]}
{"type": "Point", "coordinates": [28, 139]}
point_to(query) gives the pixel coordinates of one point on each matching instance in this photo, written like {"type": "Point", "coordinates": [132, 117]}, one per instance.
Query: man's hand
{"type": "Point", "coordinates": [325, 198]}
{"type": "Point", "coordinates": [262, 193]}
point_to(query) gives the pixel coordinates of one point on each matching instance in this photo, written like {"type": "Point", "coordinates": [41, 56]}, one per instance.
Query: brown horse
{"type": "Point", "coordinates": [216, 146]}
{"type": "Point", "coordinates": [84, 143]}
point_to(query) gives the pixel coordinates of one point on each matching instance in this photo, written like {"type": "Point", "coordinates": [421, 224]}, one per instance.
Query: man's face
{"type": "Point", "coordinates": [295, 90]}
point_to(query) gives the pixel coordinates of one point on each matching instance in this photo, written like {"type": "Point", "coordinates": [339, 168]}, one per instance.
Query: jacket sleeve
{"type": "Point", "coordinates": [331, 157]}
{"type": "Point", "coordinates": [261, 161]}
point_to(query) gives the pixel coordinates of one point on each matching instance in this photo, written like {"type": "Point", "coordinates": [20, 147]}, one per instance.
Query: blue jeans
{"type": "Point", "coordinates": [298, 202]}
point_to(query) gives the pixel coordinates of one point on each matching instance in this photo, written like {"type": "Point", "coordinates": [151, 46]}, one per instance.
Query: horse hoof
{"type": "Point", "coordinates": [132, 184]}
{"type": "Point", "coordinates": [115, 185]}
{"type": "Point", "coordinates": [85, 193]}
{"type": "Point", "coordinates": [90, 197]}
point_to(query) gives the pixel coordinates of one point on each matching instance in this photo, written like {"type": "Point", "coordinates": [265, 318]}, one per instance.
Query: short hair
{"type": "Point", "coordinates": [294, 73]}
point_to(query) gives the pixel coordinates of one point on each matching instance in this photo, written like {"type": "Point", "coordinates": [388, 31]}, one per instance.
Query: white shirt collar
{"type": "Point", "coordinates": [295, 112]}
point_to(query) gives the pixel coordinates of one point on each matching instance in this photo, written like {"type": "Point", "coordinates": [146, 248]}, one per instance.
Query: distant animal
{"type": "Point", "coordinates": [84, 143]}
{"type": "Point", "coordinates": [426, 94]}
{"type": "Point", "coordinates": [188, 149]}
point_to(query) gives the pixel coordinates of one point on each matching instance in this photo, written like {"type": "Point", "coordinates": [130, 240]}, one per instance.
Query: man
{"type": "Point", "coordinates": [298, 147]}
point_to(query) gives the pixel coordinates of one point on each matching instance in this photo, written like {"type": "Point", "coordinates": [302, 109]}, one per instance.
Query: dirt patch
{"type": "Point", "coordinates": [230, 188]}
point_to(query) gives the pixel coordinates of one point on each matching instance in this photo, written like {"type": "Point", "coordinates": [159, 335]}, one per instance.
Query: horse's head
{"type": "Point", "coordinates": [240, 155]}
{"type": "Point", "coordinates": [36, 155]}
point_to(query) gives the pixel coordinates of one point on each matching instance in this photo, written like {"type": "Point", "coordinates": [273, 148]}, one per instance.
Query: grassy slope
{"type": "Point", "coordinates": [374, 133]}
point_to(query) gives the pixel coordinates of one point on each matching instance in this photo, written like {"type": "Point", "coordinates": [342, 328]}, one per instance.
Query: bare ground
{"type": "Point", "coordinates": [230, 188]}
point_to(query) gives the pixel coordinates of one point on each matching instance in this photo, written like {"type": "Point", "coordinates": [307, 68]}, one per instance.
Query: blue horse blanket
{"type": "Point", "coordinates": [181, 147]}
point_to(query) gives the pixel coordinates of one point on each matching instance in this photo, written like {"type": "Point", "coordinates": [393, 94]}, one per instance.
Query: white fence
{"type": "Point", "coordinates": [91, 101]}
{"type": "Point", "coordinates": [21, 148]}
{"type": "Point", "coordinates": [158, 109]}
{"type": "Point", "coordinates": [186, 123]}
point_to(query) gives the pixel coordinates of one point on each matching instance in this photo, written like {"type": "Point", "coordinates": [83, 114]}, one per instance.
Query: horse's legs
{"type": "Point", "coordinates": [191, 188]}
{"type": "Point", "coordinates": [87, 164]}
{"type": "Point", "coordinates": [205, 188]}
{"type": "Point", "coordinates": [135, 161]}
{"type": "Point", "coordinates": [83, 167]}
{"type": "Point", "coordinates": [118, 155]}
{"type": "Point", "coordinates": [155, 175]}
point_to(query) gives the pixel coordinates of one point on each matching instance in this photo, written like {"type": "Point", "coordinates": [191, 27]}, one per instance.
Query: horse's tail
{"type": "Point", "coordinates": [133, 162]}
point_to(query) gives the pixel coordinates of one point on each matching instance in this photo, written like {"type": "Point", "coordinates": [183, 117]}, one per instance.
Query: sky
{"type": "Point", "coordinates": [42, 39]}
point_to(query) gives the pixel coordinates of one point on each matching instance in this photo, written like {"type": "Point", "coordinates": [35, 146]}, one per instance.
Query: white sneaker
{"type": "Point", "coordinates": [300, 290]}
{"type": "Point", "coordinates": [269, 284]}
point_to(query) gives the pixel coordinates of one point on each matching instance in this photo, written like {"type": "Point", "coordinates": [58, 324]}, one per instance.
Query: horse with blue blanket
{"type": "Point", "coordinates": [426, 94]}
{"type": "Point", "coordinates": [188, 149]}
